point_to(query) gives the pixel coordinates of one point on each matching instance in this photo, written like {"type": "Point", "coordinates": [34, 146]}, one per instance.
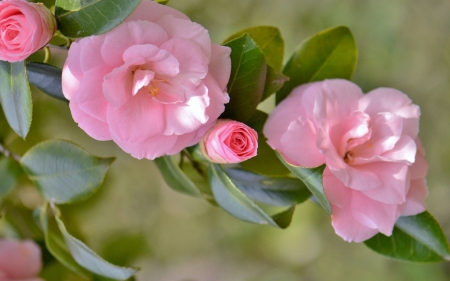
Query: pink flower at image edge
{"type": "Point", "coordinates": [19, 260]}
{"type": "Point", "coordinates": [375, 166]}
{"type": "Point", "coordinates": [229, 142]}
{"type": "Point", "coordinates": [154, 84]}
{"type": "Point", "coordinates": [24, 28]}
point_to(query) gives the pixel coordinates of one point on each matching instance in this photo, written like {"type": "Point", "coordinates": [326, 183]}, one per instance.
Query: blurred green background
{"type": "Point", "coordinates": [402, 44]}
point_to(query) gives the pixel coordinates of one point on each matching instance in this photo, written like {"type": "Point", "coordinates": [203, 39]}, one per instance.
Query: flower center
{"type": "Point", "coordinates": [153, 88]}
{"type": "Point", "coordinates": [348, 157]}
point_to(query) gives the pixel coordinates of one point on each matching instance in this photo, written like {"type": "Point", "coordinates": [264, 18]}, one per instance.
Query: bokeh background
{"type": "Point", "coordinates": [172, 237]}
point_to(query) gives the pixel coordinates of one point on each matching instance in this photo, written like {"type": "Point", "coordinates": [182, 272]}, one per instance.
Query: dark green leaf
{"type": "Point", "coordinates": [234, 201]}
{"type": "Point", "coordinates": [63, 171]}
{"type": "Point", "coordinates": [163, 2]}
{"type": "Point", "coordinates": [269, 40]}
{"type": "Point", "coordinates": [248, 75]}
{"type": "Point", "coordinates": [55, 243]}
{"type": "Point", "coordinates": [274, 191]}
{"type": "Point", "coordinates": [81, 18]}
{"type": "Point", "coordinates": [266, 162]}
{"type": "Point", "coordinates": [46, 78]}
{"type": "Point", "coordinates": [274, 81]}
{"type": "Point", "coordinates": [415, 238]}
{"type": "Point", "coordinates": [90, 260]}
{"type": "Point", "coordinates": [10, 172]}
{"type": "Point", "coordinates": [331, 53]}
{"type": "Point", "coordinates": [175, 177]}
{"type": "Point", "coordinates": [312, 177]}
{"type": "Point", "coordinates": [284, 219]}
{"type": "Point", "coordinates": [15, 96]}
{"type": "Point", "coordinates": [124, 247]}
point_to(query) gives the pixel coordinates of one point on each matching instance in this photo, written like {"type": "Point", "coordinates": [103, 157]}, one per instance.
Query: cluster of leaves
{"type": "Point", "coordinates": [262, 190]}
{"type": "Point", "coordinates": [266, 188]}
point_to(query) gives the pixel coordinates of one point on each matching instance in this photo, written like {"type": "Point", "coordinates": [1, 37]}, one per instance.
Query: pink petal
{"type": "Point", "coordinates": [118, 84]}
{"type": "Point", "coordinates": [138, 120]}
{"type": "Point", "coordinates": [394, 182]}
{"type": "Point", "coordinates": [220, 65]}
{"type": "Point", "coordinates": [90, 55]}
{"type": "Point", "coordinates": [149, 148]}
{"type": "Point", "coordinates": [90, 96]}
{"type": "Point", "coordinates": [94, 127]}
{"type": "Point", "coordinates": [415, 199]}
{"type": "Point", "coordinates": [217, 99]}
{"type": "Point", "coordinates": [337, 100]}
{"type": "Point", "coordinates": [193, 63]}
{"type": "Point", "coordinates": [129, 34]}
{"type": "Point", "coordinates": [141, 79]}
{"type": "Point", "coordinates": [185, 29]}
{"type": "Point", "coordinates": [70, 83]}
{"type": "Point", "coordinates": [420, 167]}
{"type": "Point", "coordinates": [151, 11]}
{"type": "Point", "coordinates": [351, 230]}
{"type": "Point", "coordinates": [404, 151]}
{"type": "Point", "coordinates": [336, 192]}
{"type": "Point", "coordinates": [396, 102]}
{"type": "Point", "coordinates": [182, 118]}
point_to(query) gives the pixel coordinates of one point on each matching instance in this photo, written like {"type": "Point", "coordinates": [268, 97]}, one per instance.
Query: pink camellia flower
{"type": "Point", "coordinates": [19, 260]}
{"type": "Point", "coordinates": [155, 84]}
{"type": "Point", "coordinates": [24, 29]}
{"type": "Point", "coordinates": [375, 165]}
{"type": "Point", "coordinates": [229, 142]}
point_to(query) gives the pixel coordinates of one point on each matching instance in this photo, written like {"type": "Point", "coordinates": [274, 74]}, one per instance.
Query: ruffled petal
{"type": "Point", "coordinates": [220, 65]}
{"type": "Point", "coordinates": [94, 127]}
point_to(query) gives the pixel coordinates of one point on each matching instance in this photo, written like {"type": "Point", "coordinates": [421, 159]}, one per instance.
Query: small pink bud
{"type": "Point", "coordinates": [24, 29]}
{"type": "Point", "coordinates": [229, 142]}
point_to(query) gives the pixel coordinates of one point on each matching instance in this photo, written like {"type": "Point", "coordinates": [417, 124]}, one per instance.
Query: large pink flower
{"type": "Point", "coordinates": [375, 165]}
{"type": "Point", "coordinates": [20, 261]}
{"type": "Point", "coordinates": [155, 84]}
{"type": "Point", "coordinates": [24, 29]}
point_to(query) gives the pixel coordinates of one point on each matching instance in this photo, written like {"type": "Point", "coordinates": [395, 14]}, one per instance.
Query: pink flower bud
{"type": "Point", "coordinates": [19, 260]}
{"type": "Point", "coordinates": [229, 142]}
{"type": "Point", "coordinates": [24, 29]}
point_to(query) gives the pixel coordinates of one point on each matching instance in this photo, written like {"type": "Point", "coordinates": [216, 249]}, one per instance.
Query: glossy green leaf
{"type": "Point", "coordinates": [247, 79]}
{"type": "Point", "coordinates": [63, 171]}
{"type": "Point", "coordinates": [284, 219]}
{"type": "Point", "coordinates": [266, 162]}
{"type": "Point", "coordinates": [234, 201]}
{"type": "Point", "coordinates": [81, 18]}
{"type": "Point", "coordinates": [15, 96]}
{"type": "Point", "coordinates": [56, 245]}
{"type": "Point", "coordinates": [331, 53]}
{"type": "Point", "coordinates": [274, 82]}
{"type": "Point", "coordinates": [312, 177]}
{"type": "Point", "coordinates": [415, 238]}
{"type": "Point", "coordinates": [269, 40]}
{"type": "Point", "coordinates": [163, 2]}
{"type": "Point", "coordinates": [279, 191]}
{"type": "Point", "coordinates": [175, 178]}
{"type": "Point", "coordinates": [46, 78]}
{"type": "Point", "coordinates": [10, 172]}
{"type": "Point", "coordinates": [90, 260]}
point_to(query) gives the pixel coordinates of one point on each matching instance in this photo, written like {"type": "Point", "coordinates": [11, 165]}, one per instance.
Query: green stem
{"type": "Point", "coordinates": [9, 154]}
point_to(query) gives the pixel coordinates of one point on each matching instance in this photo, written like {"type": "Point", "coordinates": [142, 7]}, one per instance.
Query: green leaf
{"type": "Point", "coordinates": [46, 78]}
{"type": "Point", "coordinates": [269, 190]}
{"type": "Point", "coordinates": [269, 40]}
{"type": "Point", "coordinates": [312, 177]}
{"type": "Point", "coordinates": [331, 53]}
{"type": "Point", "coordinates": [81, 18]}
{"type": "Point", "coordinates": [63, 171]}
{"type": "Point", "coordinates": [266, 162]}
{"type": "Point", "coordinates": [56, 245]}
{"type": "Point", "coordinates": [10, 173]}
{"type": "Point", "coordinates": [284, 219]}
{"type": "Point", "coordinates": [15, 96]}
{"type": "Point", "coordinates": [123, 247]}
{"type": "Point", "coordinates": [163, 2]}
{"type": "Point", "coordinates": [274, 82]}
{"type": "Point", "coordinates": [415, 238]}
{"type": "Point", "coordinates": [90, 260]}
{"type": "Point", "coordinates": [21, 219]}
{"type": "Point", "coordinates": [247, 80]}
{"type": "Point", "coordinates": [234, 201]}
{"type": "Point", "coordinates": [175, 177]}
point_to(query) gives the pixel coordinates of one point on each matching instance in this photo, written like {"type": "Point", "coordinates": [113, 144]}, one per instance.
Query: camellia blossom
{"type": "Point", "coordinates": [19, 260]}
{"type": "Point", "coordinates": [229, 142]}
{"type": "Point", "coordinates": [24, 29]}
{"type": "Point", "coordinates": [375, 166]}
{"type": "Point", "coordinates": [154, 84]}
